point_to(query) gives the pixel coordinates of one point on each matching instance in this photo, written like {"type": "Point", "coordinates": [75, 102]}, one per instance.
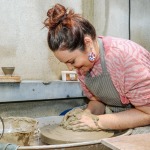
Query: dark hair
{"type": "Point", "coordinates": [67, 29]}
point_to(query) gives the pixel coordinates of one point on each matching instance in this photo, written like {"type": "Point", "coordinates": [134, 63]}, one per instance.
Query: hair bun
{"type": "Point", "coordinates": [55, 16]}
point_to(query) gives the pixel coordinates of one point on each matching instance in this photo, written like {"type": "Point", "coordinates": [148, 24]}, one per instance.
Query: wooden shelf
{"type": "Point", "coordinates": [10, 79]}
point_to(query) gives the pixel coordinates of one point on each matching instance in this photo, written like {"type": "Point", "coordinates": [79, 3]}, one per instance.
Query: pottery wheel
{"type": "Point", "coordinates": [55, 134]}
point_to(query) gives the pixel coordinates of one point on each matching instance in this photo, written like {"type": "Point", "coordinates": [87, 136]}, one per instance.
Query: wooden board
{"type": "Point", "coordinates": [55, 134]}
{"type": "Point", "coordinates": [10, 79]}
{"type": "Point", "coordinates": [132, 142]}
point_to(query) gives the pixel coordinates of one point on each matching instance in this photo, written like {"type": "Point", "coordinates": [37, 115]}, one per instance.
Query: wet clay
{"type": "Point", "coordinates": [59, 133]}
{"type": "Point", "coordinates": [56, 134]}
{"type": "Point", "coordinates": [22, 131]}
{"type": "Point", "coordinates": [74, 115]}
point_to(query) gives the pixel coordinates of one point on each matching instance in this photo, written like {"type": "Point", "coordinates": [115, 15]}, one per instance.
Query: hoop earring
{"type": "Point", "coordinates": [91, 56]}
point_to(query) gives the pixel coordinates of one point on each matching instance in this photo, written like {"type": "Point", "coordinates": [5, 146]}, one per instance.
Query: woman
{"type": "Point", "coordinates": [113, 72]}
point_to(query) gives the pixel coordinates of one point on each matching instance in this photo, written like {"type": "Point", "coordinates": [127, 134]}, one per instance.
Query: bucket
{"type": "Point", "coordinates": [21, 131]}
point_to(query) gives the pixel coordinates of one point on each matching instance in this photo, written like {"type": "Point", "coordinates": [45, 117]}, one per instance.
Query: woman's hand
{"type": "Point", "coordinates": [83, 121]}
{"type": "Point", "coordinates": [70, 116]}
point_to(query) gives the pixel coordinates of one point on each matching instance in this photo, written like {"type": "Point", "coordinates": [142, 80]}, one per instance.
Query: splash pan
{"type": "Point", "coordinates": [54, 120]}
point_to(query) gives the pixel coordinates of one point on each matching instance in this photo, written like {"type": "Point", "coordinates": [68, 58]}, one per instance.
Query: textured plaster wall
{"type": "Point", "coordinates": [111, 18]}
{"type": "Point", "coordinates": [23, 41]}
{"type": "Point", "coordinates": [140, 22]}
{"type": "Point", "coordinates": [23, 38]}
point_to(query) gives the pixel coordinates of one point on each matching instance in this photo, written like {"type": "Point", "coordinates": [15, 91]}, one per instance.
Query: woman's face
{"type": "Point", "coordinates": [75, 59]}
{"type": "Point", "coordinates": [79, 59]}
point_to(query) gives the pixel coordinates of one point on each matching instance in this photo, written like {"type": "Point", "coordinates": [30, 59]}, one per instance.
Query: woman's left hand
{"type": "Point", "coordinates": [84, 121]}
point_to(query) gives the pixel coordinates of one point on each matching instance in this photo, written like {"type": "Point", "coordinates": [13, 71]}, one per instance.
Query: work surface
{"type": "Point", "coordinates": [132, 142]}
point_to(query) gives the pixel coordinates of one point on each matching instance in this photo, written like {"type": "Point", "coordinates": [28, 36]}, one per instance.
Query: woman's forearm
{"type": "Point", "coordinates": [123, 120]}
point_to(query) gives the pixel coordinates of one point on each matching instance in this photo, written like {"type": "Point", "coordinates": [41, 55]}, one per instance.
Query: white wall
{"type": "Point", "coordinates": [140, 22]}
{"type": "Point", "coordinates": [24, 42]}
{"type": "Point", "coordinates": [111, 17]}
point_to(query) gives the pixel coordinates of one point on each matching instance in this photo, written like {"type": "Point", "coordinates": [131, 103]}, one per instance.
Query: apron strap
{"type": "Point", "coordinates": [102, 56]}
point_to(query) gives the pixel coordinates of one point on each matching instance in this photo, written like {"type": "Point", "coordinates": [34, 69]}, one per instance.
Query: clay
{"type": "Point", "coordinates": [73, 117]}
{"type": "Point", "coordinates": [56, 134]}
{"type": "Point", "coordinates": [70, 116]}
{"type": "Point", "coordinates": [20, 130]}
{"type": "Point", "coordinates": [61, 134]}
